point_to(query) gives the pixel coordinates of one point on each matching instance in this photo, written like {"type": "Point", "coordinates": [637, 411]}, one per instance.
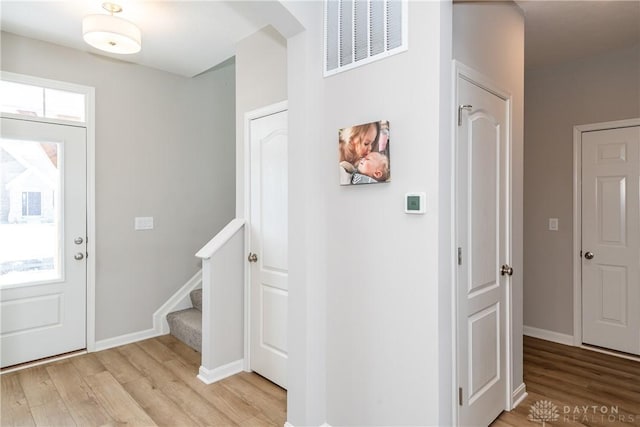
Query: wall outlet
{"type": "Point", "coordinates": [553, 224]}
{"type": "Point", "coordinates": [143, 223]}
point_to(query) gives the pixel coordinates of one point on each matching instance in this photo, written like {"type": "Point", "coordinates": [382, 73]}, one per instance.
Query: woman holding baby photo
{"type": "Point", "coordinates": [364, 153]}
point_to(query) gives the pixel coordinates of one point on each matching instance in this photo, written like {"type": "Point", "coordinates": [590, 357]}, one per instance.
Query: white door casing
{"type": "Point", "coordinates": [610, 260]}
{"type": "Point", "coordinates": [47, 317]}
{"type": "Point", "coordinates": [268, 225]}
{"type": "Point", "coordinates": [483, 238]}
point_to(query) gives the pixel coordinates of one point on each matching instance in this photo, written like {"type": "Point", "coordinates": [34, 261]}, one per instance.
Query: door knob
{"type": "Point", "coordinates": [78, 256]}
{"type": "Point", "coordinates": [506, 269]}
{"type": "Point", "coordinates": [460, 108]}
{"type": "Point", "coordinates": [78, 240]}
{"type": "Point", "coordinates": [589, 255]}
{"type": "Point", "coordinates": [252, 257]}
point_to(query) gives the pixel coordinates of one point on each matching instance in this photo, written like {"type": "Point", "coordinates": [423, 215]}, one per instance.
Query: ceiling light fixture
{"type": "Point", "coordinates": [110, 33]}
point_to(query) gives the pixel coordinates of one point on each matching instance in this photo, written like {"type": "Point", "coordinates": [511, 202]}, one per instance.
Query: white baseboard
{"type": "Point", "coordinates": [178, 301]}
{"type": "Point", "coordinates": [126, 339]}
{"type": "Point", "coordinates": [210, 376]}
{"type": "Point", "coordinates": [518, 395]}
{"type": "Point", "coordinates": [545, 334]}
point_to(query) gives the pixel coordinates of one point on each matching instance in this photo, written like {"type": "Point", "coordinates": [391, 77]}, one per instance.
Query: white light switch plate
{"type": "Point", "coordinates": [553, 224]}
{"type": "Point", "coordinates": [143, 223]}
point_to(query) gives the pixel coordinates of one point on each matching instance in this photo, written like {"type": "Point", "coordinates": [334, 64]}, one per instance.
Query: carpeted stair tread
{"type": "Point", "coordinates": [196, 299]}
{"type": "Point", "coordinates": [186, 325]}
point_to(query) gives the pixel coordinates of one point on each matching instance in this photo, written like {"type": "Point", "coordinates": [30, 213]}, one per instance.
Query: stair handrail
{"type": "Point", "coordinates": [221, 238]}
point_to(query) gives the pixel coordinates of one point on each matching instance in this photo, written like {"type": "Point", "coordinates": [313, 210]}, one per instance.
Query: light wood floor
{"type": "Point", "coordinates": [153, 382]}
{"type": "Point", "coordinates": [148, 383]}
{"type": "Point", "coordinates": [571, 376]}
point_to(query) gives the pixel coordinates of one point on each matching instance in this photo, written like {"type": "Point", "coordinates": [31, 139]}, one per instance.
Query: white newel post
{"type": "Point", "coordinates": [223, 304]}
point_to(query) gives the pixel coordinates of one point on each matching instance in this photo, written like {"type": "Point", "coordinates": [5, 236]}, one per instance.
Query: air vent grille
{"type": "Point", "coordinates": [358, 32]}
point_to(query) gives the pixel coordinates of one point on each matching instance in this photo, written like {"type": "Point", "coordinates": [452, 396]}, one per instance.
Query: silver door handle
{"type": "Point", "coordinates": [589, 255]}
{"type": "Point", "coordinates": [78, 240]}
{"type": "Point", "coordinates": [460, 108]}
{"type": "Point", "coordinates": [252, 257]}
{"type": "Point", "coordinates": [78, 256]}
{"type": "Point", "coordinates": [506, 269]}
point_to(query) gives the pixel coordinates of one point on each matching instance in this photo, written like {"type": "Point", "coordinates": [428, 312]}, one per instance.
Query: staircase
{"type": "Point", "coordinates": [186, 325]}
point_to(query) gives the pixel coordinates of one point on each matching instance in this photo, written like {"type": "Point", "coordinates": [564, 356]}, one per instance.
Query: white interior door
{"type": "Point", "coordinates": [482, 218]}
{"type": "Point", "coordinates": [42, 235]}
{"type": "Point", "coordinates": [611, 239]}
{"type": "Point", "coordinates": [268, 241]}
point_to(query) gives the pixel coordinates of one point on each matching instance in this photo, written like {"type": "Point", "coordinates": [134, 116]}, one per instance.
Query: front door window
{"type": "Point", "coordinates": [29, 211]}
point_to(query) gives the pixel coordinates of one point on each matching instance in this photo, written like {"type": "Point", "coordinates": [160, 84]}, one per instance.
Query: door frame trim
{"type": "Point", "coordinates": [89, 125]}
{"type": "Point", "coordinates": [248, 117]}
{"type": "Point", "coordinates": [578, 130]}
{"type": "Point", "coordinates": [465, 72]}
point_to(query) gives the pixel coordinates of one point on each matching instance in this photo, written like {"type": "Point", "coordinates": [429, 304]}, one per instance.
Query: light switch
{"type": "Point", "coordinates": [143, 223]}
{"type": "Point", "coordinates": [553, 224]}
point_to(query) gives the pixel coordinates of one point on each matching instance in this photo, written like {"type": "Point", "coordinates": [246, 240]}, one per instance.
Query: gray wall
{"type": "Point", "coordinates": [261, 80]}
{"type": "Point", "coordinates": [164, 148]}
{"type": "Point", "coordinates": [489, 37]}
{"type": "Point", "coordinates": [364, 277]}
{"type": "Point", "coordinates": [591, 90]}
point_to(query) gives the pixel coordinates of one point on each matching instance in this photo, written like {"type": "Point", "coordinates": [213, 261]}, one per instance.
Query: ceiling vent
{"type": "Point", "coordinates": [358, 32]}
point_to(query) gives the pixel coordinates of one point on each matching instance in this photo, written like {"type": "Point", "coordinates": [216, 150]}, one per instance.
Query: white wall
{"type": "Point", "coordinates": [489, 37]}
{"type": "Point", "coordinates": [601, 88]}
{"type": "Point", "coordinates": [447, 389]}
{"type": "Point", "coordinates": [306, 392]}
{"type": "Point", "coordinates": [164, 148]}
{"type": "Point", "coordinates": [364, 278]}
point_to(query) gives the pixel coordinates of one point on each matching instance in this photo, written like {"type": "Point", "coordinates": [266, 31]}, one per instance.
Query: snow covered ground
{"type": "Point", "coordinates": [28, 252]}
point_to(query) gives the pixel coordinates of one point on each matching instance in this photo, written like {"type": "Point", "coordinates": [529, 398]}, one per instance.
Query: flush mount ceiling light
{"type": "Point", "coordinates": [110, 33]}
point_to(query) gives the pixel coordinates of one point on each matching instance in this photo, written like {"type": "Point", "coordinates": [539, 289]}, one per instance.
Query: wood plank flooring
{"type": "Point", "coordinates": [588, 388]}
{"type": "Point", "coordinates": [153, 382]}
{"type": "Point", "coordinates": [148, 383]}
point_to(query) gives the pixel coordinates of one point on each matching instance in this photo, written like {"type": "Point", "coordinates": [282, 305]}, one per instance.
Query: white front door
{"type": "Point", "coordinates": [482, 218]}
{"type": "Point", "coordinates": [42, 240]}
{"type": "Point", "coordinates": [268, 241]}
{"type": "Point", "coordinates": [611, 239]}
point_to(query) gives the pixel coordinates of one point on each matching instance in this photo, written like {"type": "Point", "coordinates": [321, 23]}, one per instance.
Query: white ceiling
{"type": "Point", "coordinates": [182, 37]}
{"type": "Point", "coordinates": [189, 37]}
{"type": "Point", "coordinates": [565, 30]}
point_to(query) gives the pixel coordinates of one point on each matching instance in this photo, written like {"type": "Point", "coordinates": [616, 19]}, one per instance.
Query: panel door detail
{"type": "Point", "coordinates": [269, 241]}
{"type": "Point", "coordinates": [611, 237]}
{"type": "Point", "coordinates": [482, 218]}
{"type": "Point", "coordinates": [43, 240]}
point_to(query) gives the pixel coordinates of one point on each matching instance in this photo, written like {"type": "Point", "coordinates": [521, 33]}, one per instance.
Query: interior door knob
{"type": "Point", "coordinates": [589, 255]}
{"type": "Point", "coordinates": [78, 256]}
{"type": "Point", "coordinates": [506, 269]}
{"type": "Point", "coordinates": [252, 257]}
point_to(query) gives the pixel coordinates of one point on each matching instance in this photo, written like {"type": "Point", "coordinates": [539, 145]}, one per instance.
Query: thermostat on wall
{"type": "Point", "coordinates": [415, 203]}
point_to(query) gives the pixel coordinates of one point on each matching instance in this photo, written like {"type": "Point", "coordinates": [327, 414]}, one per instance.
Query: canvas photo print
{"type": "Point", "coordinates": [363, 153]}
